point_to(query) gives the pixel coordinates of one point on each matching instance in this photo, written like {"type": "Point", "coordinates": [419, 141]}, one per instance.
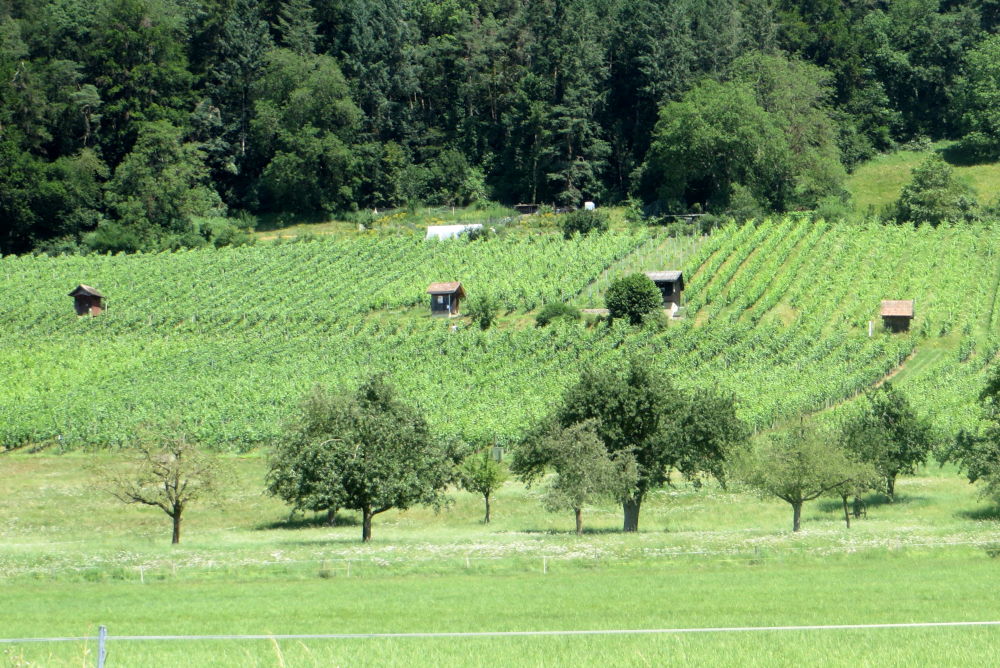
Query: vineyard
{"type": "Point", "coordinates": [226, 341]}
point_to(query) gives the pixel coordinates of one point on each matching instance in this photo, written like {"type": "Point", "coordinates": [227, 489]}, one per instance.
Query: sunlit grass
{"type": "Point", "coordinates": [72, 558]}
{"type": "Point", "coordinates": [879, 182]}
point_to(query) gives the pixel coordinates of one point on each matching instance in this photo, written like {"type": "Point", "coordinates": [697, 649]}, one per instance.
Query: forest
{"type": "Point", "coordinates": [138, 125]}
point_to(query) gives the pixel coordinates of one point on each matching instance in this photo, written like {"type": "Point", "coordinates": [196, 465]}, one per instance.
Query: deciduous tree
{"type": "Point", "coordinates": [796, 466]}
{"type": "Point", "coordinates": [638, 413]}
{"type": "Point", "coordinates": [366, 451]}
{"type": "Point", "coordinates": [481, 474]}
{"type": "Point", "coordinates": [632, 298]}
{"type": "Point", "coordinates": [168, 472]}
{"type": "Point", "coordinates": [888, 434]}
{"type": "Point", "coordinates": [584, 469]}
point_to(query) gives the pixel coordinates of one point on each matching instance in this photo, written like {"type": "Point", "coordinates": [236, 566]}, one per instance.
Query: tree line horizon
{"type": "Point", "coordinates": [132, 125]}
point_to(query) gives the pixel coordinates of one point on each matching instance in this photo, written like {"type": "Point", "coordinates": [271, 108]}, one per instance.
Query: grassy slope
{"type": "Point", "coordinates": [878, 182]}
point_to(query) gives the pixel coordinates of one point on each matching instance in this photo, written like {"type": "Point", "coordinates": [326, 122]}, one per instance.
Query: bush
{"type": "Point", "coordinates": [584, 222]}
{"type": "Point", "coordinates": [632, 297]}
{"type": "Point", "coordinates": [934, 195]}
{"type": "Point", "coordinates": [482, 309]}
{"type": "Point", "coordinates": [554, 310]}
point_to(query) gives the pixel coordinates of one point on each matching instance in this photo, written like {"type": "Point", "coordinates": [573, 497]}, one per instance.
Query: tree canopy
{"type": "Point", "coordinates": [366, 451]}
{"type": "Point", "coordinates": [637, 413]}
{"type": "Point", "coordinates": [299, 106]}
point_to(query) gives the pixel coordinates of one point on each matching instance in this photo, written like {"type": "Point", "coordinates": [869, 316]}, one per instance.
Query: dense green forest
{"type": "Point", "coordinates": [152, 124]}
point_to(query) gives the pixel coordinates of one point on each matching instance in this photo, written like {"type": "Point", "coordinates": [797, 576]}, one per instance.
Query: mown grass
{"type": "Point", "coordinates": [855, 590]}
{"type": "Point", "coordinates": [72, 558]}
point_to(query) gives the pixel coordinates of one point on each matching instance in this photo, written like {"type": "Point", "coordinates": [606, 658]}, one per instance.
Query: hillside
{"type": "Point", "coordinates": [878, 182]}
{"type": "Point", "coordinates": [227, 341]}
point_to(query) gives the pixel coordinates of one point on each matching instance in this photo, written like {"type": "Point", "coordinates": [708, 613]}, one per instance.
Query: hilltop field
{"type": "Point", "coordinates": [227, 341]}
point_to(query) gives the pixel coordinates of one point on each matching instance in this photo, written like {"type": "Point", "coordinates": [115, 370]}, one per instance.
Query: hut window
{"type": "Point", "coordinates": [440, 299]}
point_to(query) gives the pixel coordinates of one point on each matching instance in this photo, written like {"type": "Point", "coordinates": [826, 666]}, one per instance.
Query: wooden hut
{"type": "Point", "coordinates": [526, 209]}
{"type": "Point", "coordinates": [87, 300]}
{"type": "Point", "coordinates": [445, 297]}
{"type": "Point", "coordinates": [897, 314]}
{"type": "Point", "coordinates": [671, 285]}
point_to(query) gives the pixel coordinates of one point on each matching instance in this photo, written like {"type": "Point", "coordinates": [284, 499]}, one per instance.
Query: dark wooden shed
{"type": "Point", "coordinates": [897, 314]}
{"type": "Point", "coordinates": [87, 300]}
{"type": "Point", "coordinates": [526, 209]}
{"type": "Point", "coordinates": [670, 284]}
{"type": "Point", "coordinates": [445, 297]}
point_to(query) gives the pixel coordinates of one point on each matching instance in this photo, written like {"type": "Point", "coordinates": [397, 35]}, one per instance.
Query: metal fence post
{"type": "Point", "coordinates": [102, 652]}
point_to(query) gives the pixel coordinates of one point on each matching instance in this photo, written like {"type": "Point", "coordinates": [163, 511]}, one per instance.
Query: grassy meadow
{"type": "Point", "coordinates": [879, 182]}
{"type": "Point", "coordinates": [73, 558]}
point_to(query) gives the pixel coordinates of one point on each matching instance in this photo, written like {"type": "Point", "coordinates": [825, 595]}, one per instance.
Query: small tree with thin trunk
{"type": "Point", "coordinates": [888, 433]}
{"type": "Point", "coordinates": [168, 472]}
{"type": "Point", "coordinates": [479, 473]}
{"type": "Point", "coordinates": [584, 470]}
{"type": "Point", "coordinates": [795, 467]}
{"type": "Point", "coordinates": [862, 479]}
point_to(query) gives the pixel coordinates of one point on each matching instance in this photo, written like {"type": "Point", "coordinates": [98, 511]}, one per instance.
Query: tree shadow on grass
{"type": "Point", "coordinates": [599, 531]}
{"type": "Point", "coordinates": [960, 156]}
{"type": "Point", "coordinates": [317, 521]}
{"type": "Point", "coordinates": [871, 501]}
{"type": "Point", "coordinates": [989, 513]}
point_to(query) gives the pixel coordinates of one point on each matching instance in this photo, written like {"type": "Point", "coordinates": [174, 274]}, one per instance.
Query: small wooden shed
{"type": "Point", "coordinates": [445, 297]}
{"type": "Point", "coordinates": [526, 209]}
{"type": "Point", "coordinates": [670, 284]}
{"type": "Point", "coordinates": [897, 314]}
{"type": "Point", "coordinates": [87, 300]}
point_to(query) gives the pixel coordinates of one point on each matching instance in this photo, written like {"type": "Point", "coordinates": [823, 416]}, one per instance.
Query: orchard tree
{"type": "Point", "coordinates": [638, 413]}
{"type": "Point", "coordinates": [632, 297]}
{"type": "Point", "coordinates": [375, 453]}
{"type": "Point", "coordinates": [302, 470]}
{"type": "Point", "coordinates": [978, 453]}
{"type": "Point", "coordinates": [888, 434]}
{"type": "Point", "coordinates": [168, 472]}
{"type": "Point", "coordinates": [479, 473]}
{"type": "Point", "coordinates": [584, 469]}
{"type": "Point", "coordinates": [796, 467]}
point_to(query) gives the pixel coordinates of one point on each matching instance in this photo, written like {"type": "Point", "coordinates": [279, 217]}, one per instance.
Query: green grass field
{"type": "Point", "coordinates": [878, 182]}
{"type": "Point", "coordinates": [72, 558]}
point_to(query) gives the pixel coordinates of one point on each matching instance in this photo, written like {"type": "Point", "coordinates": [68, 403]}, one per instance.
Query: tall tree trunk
{"type": "Point", "coordinates": [579, 521]}
{"type": "Point", "coordinates": [177, 527]}
{"type": "Point", "coordinates": [366, 524]}
{"type": "Point", "coordinates": [890, 487]}
{"type": "Point", "coordinates": [847, 515]}
{"type": "Point", "coordinates": [631, 512]}
{"type": "Point", "coordinates": [331, 517]}
{"type": "Point", "coordinates": [796, 516]}
{"type": "Point", "coordinates": [487, 498]}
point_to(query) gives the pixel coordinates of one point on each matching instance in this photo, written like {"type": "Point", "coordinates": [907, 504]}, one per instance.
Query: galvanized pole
{"type": "Point", "coordinates": [102, 652]}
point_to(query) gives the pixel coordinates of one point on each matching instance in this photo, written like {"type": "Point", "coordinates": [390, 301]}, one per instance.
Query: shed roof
{"type": "Point", "coordinates": [85, 291]}
{"type": "Point", "coordinates": [445, 288]}
{"type": "Point", "coordinates": [900, 308]}
{"type": "Point", "coordinates": [665, 275]}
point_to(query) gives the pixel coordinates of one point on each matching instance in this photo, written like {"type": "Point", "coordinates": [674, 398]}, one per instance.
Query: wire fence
{"type": "Point", "coordinates": [103, 637]}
